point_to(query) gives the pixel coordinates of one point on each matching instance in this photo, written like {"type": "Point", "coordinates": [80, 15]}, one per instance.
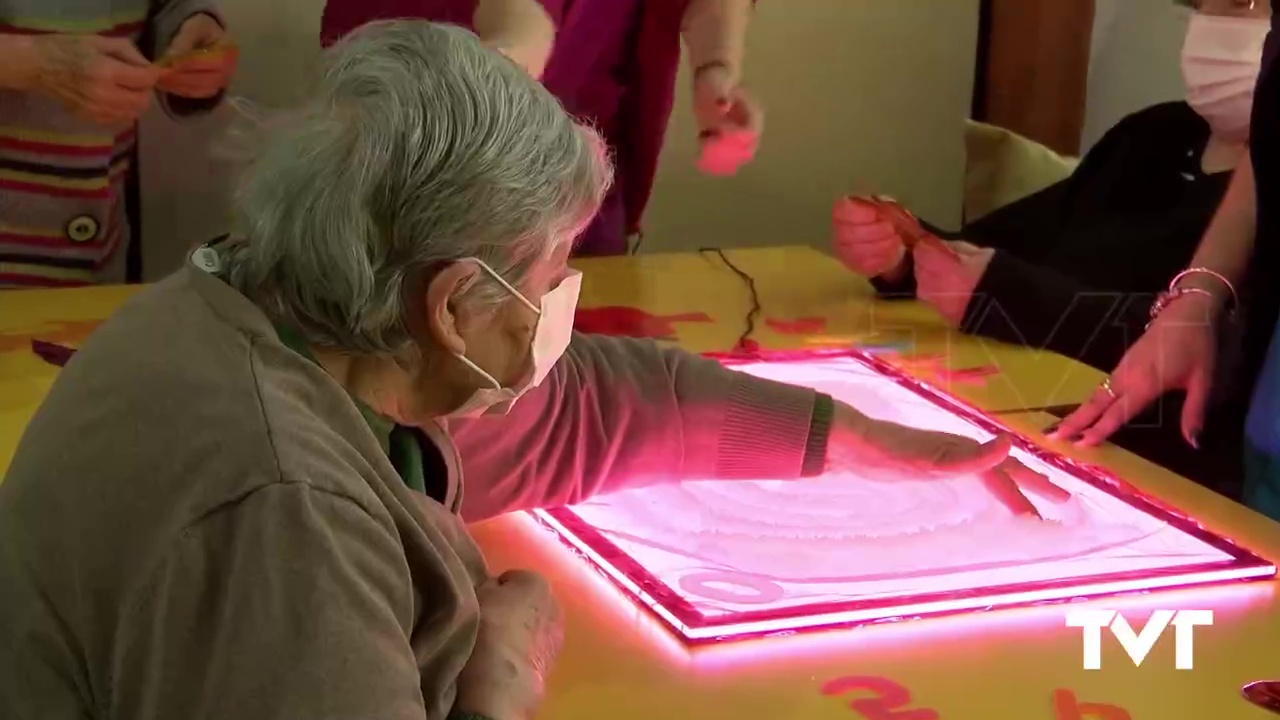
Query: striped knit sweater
{"type": "Point", "coordinates": [63, 179]}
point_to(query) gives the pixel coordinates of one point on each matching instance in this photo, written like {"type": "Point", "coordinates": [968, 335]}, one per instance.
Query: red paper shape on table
{"type": "Point", "coordinates": [1067, 707]}
{"type": "Point", "coordinates": [632, 322]}
{"type": "Point", "coordinates": [976, 375]}
{"type": "Point", "coordinates": [798, 326]}
{"type": "Point", "coordinates": [888, 700]}
{"type": "Point", "coordinates": [60, 333]}
{"type": "Point", "coordinates": [52, 353]}
{"type": "Point", "coordinates": [936, 365]}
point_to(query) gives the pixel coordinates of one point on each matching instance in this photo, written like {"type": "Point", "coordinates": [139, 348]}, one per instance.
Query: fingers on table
{"type": "Point", "coordinates": [1105, 411]}
{"type": "Point", "coordinates": [1128, 401]}
{"type": "Point", "coordinates": [1012, 484]}
{"type": "Point", "coordinates": [1193, 408]}
{"type": "Point", "coordinates": [1035, 483]}
{"type": "Point", "coordinates": [967, 458]}
{"type": "Point", "coordinates": [1000, 483]}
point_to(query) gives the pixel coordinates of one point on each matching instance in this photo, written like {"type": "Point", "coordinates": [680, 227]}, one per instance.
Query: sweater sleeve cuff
{"type": "Point", "coordinates": [764, 434]}
{"type": "Point", "coordinates": [815, 451]}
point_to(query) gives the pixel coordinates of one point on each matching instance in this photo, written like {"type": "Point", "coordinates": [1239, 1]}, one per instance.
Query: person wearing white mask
{"type": "Point", "coordinates": [1075, 268]}
{"type": "Point", "coordinates": [243, 497]}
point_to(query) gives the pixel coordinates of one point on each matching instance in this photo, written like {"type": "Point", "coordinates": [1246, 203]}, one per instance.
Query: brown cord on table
{"type": "Point", "coordinates": [753, 315]}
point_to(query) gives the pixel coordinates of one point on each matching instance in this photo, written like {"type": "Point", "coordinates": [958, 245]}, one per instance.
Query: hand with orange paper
{"type": "Point", "coordinates": [873, 236]}
{"type": "Point", "coordinates": [866, 240]}
{"type": "Point", "coordinates": [198, 64]}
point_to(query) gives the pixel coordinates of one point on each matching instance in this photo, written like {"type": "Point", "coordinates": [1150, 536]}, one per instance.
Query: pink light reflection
{"type": "Point", "coordinates": [720, 560]}
{"type": "Point", "coordinates": [1009, 625]}
{"type": "Point", "coordinates": [618, 610]}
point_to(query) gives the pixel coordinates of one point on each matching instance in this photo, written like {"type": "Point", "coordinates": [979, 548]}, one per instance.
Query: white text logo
{"type": "Point", "coordinates": [1138, 644]}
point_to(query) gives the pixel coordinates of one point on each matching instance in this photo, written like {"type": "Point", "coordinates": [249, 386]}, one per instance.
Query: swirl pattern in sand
{"type": "Point", "coordinates": [841, 528]}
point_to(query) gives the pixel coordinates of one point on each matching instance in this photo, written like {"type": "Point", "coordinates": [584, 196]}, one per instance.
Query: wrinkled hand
{"type": "Point", "coordinates": [865, 241]}
{"type": "Point", "coordinates": [730, 121]}
{"type": "Point", "coordinates": [521, 632]}
{"type": "Point", "coordinates": [199, 63]}
{"type": "Point", "coordinates": [106, 80]}
{"type": "Point", "coordinates": [887, 452]}
{"type": "Point", "coordinates": [947, 273]}
{"type": "Point", "coordinates": [1177, 352]}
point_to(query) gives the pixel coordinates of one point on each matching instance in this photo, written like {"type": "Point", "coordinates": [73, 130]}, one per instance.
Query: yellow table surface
{"type": "Point", "coordinates": [619, 663]}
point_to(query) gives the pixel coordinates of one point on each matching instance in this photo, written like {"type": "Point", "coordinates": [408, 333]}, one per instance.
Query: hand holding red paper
{"type": "Point", "coordinates": [886, 452]}
{"type": "Point", "coordinates": [521, 633]}
{"type": "Point", "coordinates": [200, 61]}
{"type": "Point", "coordinates": [730, 121]}
{"type": "Point", "coordinates": [947, 273]}
{"type": "Point", "coordinates": [105, 80]}
{"type": "Point", "coordinates": [1177, 352]}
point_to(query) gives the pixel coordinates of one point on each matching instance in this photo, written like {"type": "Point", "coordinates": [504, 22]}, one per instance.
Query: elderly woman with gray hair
{"type": "Point", "coordinates": [242, 498]}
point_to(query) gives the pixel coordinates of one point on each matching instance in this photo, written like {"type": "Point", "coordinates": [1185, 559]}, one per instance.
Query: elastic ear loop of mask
{"type": "Point", "coordinates": [503, 281]}
{"type": "Point", "coordinates": [519, 295]}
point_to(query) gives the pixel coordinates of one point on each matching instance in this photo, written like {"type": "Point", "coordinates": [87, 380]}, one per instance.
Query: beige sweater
{"type": "Point", "coordinates": [200, 525]}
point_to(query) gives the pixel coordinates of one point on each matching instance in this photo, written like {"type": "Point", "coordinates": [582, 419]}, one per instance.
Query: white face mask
{"type": "Point", "coordinates": [551, 338]}
{"type": "Point", "coordinates": [1220, 63]}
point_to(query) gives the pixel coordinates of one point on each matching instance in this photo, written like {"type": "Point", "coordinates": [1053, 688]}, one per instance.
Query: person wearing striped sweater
{"type": "Point", "coordinates": [76, 76]}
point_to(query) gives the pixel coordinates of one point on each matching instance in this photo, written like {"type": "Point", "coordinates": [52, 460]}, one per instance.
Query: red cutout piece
{"type": "Point", "coordinates": [799, 326]}
{"type": "Point", "coordinates": [62, 333]}
{"type": "Point", "coordinates": [969, 376]}
{"type": "Point", "coordinates": [930, 360]}
{"type": "Point", "coordinates": [1067, 707]}
{"type": "Point", "coordinates": [632, 322]}
{"type": "Point", "coordinates": [891, 701]}
{"type": "Point", "coordinates": [937, 365]}
{"type": "Point", "coordinates": [52, 353]}
{"type": "Point", "coordinates": [981, 371]}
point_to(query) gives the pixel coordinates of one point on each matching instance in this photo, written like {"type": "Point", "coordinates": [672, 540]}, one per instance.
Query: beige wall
{"type": "Point", "coordinates": [1135, 63]}
{"type": "Point", "coordinates": [858, 90]}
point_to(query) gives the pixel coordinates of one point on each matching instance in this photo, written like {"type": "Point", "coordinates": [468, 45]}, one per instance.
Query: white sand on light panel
{"type": "Point", "coordinates": [732, 546]}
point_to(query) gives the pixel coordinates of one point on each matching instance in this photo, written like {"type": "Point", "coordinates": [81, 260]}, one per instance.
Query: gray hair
{"type": "Point", "coordinates": [419, 147]}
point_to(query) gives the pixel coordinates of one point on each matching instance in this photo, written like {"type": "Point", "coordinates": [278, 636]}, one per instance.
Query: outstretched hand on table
{"type": "Point", "coordinates": [888, 452]}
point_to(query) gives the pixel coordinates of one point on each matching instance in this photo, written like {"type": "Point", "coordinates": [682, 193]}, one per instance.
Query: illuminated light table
{"type": "Point", "coordinates": [722, 560]}
{"type": "Point", "coordinates": [1021, 663]}
{"type": "Point", "coordinates": [621, 662]}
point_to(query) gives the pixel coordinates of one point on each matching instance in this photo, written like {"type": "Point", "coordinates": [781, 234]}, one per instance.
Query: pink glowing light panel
{"type": "Point", "coordinates": [721, 559]}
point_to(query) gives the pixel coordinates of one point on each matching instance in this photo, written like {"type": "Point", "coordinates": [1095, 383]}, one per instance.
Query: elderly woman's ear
{"type": "Point", "coordinates": [446, 318]}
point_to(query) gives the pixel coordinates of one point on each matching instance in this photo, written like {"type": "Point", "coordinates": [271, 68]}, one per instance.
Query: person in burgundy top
{"type": "Point", "coordinates": [614, 63]}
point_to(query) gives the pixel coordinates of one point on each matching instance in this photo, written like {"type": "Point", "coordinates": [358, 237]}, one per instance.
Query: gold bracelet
{"type": "Point", "coordinates": [1231, 289]}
